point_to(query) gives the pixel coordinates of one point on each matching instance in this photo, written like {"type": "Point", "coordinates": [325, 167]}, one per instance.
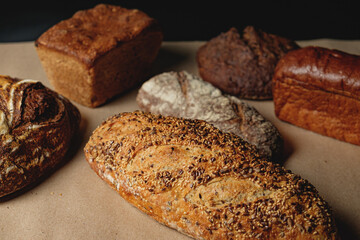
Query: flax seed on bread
{"type": "Point", "coordinates": [207, 184]}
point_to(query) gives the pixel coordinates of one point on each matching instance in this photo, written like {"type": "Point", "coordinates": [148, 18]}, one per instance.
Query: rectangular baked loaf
{"type": "Point", "coordinates": [319, 89]}
{"type": "Point", "coordinates": [99, 53]}
{"type": "Point", "coordinates": [208, 184]}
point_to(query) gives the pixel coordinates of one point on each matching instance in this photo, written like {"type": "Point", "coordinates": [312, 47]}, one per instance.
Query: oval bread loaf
{"type": "Point", "coordinates": [181, 94]}
{"type": "Point", "coordinates": [207, 184]}
{"type": "Point", "coordinates": [36, 128]}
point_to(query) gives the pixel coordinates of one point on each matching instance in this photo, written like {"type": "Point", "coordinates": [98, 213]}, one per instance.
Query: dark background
{"type": "Point", "coordinates": [198, 20]}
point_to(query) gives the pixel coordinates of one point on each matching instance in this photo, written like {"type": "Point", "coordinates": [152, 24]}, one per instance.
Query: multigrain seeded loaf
{"type": "Point", "coordinates": [181, 94]}
{"type": "Point", "coordinates": [242, 65]}
{"type": "Point", "coordinates": [319, 89]}
{"type": "Point", "coordinates": [207, 184]}
{"type": "Point", "coordinates": [36, 128]}
{"type": "Point", "coordinates": [99, 53]}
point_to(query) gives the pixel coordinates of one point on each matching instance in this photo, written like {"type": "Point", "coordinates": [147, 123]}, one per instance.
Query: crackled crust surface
{"type": "Point", "coordinates": [36, 127]}
{"type": "Point", "coordinates": [205, 183]}
{"type": "Point", "coordinates": [181, 94]}
{"type": "Point", "coordinates": [99, 53]}
{"type": "Point", "coordinates": [242, 64]}
{"type": "Point", "coordinates": [91, 33]}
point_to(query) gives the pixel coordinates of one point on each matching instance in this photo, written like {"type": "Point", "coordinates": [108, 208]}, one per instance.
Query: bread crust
{"type": "Point", "coordinates": [181, 94]}
{"type": "Point", "coordinates": [319, 89]}
{"type": "Point", "coordinates": [242, 65]}
{"type": "Point", "coordinates": [99, 53]}
{"type": "Point", "coordinates": [330, 70]}
{"type": "Point", "coordinates": [36, 128]}
{"type": "Point", "coordinates": [207, 184]}
{"type": "Point", "coordinates": [91, 33]}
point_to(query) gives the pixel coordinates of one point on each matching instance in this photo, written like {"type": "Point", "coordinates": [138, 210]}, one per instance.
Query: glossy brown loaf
{"type": "Point", "coordinates": [205, 183]}
{"type": "Point", "coordinates": [319, 89]}
{"type": "Point", "coordinates": [99, 53]}
{"type": "Point", "coordinates": [181, 94]}
{"type": "Point", "coordinates": [36, 129]}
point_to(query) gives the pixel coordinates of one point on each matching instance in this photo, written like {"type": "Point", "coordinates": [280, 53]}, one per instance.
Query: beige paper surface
{"type": "Point", "coordinates": [74, 203]}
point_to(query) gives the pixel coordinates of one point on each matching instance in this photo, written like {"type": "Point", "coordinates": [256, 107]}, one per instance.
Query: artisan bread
{"type": "Point", "coordinates": [319, 89]}
{"type": "Point", "coordinates": [192, 177]}
{"type": "Point", "coordinates": [242, 65]}
{"type": "Point", "coordinates": [185, 95]}
{"type": "Point", "coordinates": [99, 53]}
{"type": "Point", "coordinates": [36, 128]}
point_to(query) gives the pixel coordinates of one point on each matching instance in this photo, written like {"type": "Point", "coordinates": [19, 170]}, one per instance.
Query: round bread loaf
{"type": "Point", "coordinates": [242, 66]}
{"type": "Point", "coordinates": [36, 127]}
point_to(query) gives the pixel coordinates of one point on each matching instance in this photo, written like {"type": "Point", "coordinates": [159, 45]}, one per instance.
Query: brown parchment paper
{"type": "Point", "coordinates": [74, 203]}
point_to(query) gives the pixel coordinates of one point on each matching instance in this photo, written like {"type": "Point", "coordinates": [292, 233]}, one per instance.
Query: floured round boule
{"type": "Point", "coordinates": [182, 94]}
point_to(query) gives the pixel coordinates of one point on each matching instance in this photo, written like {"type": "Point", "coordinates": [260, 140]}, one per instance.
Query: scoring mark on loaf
{"type": "Point", "coordinates": [162, 167]}
{"type": "Point", "coordinates": [221, 192]}
{"type": "Point", "coordinates": [11, 100]}
{"type": "Point", "coordinates": [4, 128]}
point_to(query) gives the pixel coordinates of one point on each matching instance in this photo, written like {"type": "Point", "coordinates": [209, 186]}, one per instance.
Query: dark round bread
{"type": "Point", "coordinates": [242, 66]}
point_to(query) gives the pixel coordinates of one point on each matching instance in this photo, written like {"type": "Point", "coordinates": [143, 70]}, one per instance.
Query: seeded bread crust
{"type": "Point", "coordinates": [36, 128]}
{"type": "Point", "coordinates": [207, 184]}
{"type": "Point", "coordinates": [99, 53]}
{"type": "Point", "coordinates": [181, 94]}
